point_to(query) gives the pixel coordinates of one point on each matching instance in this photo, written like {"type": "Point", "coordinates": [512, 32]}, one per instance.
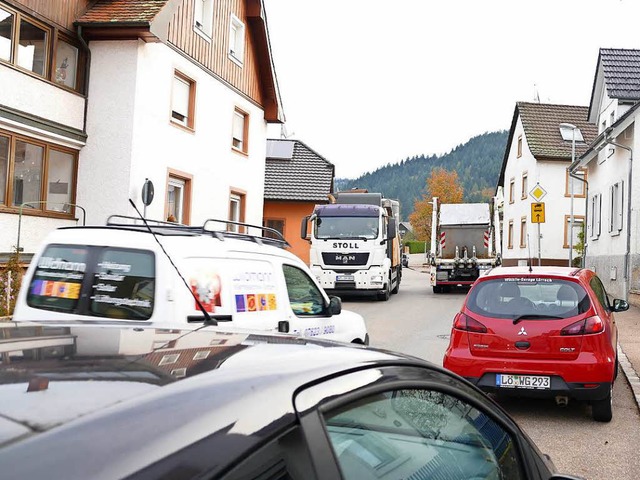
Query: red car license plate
{"type": "Point", "coordinates": [523, 381]}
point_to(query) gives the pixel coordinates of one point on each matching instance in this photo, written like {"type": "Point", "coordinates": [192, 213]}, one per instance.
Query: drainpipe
{"type": "Point", "coordinates": [627, 254]}
{"type": "Point", "coordinates": [85, 46]}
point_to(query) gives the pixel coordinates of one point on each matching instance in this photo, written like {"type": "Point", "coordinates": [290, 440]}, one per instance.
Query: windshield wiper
{"type": "Point", "coordinates": [534, 316]}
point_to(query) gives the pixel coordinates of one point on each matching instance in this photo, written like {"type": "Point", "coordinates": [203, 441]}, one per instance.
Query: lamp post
{"type": "Point", "coordinates": [573, 159]}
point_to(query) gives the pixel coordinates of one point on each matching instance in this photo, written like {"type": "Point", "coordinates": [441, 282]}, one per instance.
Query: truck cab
{"type": "Point", "coordinates": [355, 247]}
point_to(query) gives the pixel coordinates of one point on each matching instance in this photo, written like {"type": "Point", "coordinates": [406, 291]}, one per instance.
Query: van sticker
{"type": "Point", "coordinates": [48, 288]}
{"type": "Point", "coordinates": [255, 302]}
{"type": "Point", "coordinates": [207, 287]}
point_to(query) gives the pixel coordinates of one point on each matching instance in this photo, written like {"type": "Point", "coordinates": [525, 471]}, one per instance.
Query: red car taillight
{"type": "Point", "coordinates": [584, 327]}
{"type": "Point", "coordinates": [465, 322]}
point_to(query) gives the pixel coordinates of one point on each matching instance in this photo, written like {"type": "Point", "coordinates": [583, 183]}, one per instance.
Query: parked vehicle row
{"type": "Point", "coordinates": [231, 362]}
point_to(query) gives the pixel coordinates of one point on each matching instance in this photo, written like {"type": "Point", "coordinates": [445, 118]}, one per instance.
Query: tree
{"type": "Point", "coordinates": [442, 184]}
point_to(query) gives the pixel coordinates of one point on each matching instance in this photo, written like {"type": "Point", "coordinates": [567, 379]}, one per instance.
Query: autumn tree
{"type": "Point", "coordinates": [442, 184]}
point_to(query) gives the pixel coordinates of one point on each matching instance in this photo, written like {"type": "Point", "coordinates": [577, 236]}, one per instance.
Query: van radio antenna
{"type": "Point", "coordinates": [207, 318]}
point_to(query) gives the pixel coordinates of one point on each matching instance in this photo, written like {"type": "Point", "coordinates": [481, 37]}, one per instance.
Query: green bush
{"type": "Point", "coordinates": [415, 246]}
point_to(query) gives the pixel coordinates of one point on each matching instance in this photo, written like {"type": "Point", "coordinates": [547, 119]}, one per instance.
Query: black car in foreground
{"type": "Point", "coordinates": [105, 402]}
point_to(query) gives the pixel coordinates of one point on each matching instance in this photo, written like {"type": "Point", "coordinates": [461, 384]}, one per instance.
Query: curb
{"type": "Point", "coordinates": [631, 374]}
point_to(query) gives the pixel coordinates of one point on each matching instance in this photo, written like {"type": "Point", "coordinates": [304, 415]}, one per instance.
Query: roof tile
{"type": "Point", "coordinates": [621, 69]}
{"type": "Point", "coordinates": [306, 176]}
{"type": "Point", "coordinates": [122, 11]}
{"type": "Point", "coordinates": [541, 124]}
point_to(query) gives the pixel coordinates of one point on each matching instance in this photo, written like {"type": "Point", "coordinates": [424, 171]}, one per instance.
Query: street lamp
{"type": "Point", "coordinates": [573, 128]}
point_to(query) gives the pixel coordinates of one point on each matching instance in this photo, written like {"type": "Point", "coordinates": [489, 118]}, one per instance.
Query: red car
{"type": "Point", "coordinates": [539, 332]}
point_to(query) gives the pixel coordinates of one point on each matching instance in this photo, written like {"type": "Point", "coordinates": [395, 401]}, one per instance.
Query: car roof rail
{"type": "Point", "coordinates": [262, 236]}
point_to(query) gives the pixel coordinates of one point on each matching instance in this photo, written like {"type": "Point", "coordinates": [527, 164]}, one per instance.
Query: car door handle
{"type": "Point", "coordinates": [522, 345]}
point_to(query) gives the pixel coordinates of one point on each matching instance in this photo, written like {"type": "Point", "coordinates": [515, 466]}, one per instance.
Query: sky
{"type": "Point", "coordinates": [365, 83]}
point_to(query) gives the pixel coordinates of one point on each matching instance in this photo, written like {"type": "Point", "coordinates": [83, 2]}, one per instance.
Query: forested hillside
{"type": "Point", "coordinates": [477, 162]}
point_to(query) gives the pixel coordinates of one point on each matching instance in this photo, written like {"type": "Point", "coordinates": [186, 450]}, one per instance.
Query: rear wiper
{"type": "Point", "coordinates": [534, 316]}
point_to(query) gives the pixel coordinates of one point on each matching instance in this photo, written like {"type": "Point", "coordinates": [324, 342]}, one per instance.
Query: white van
{"type": "Point", "coordinates": [123, 273]}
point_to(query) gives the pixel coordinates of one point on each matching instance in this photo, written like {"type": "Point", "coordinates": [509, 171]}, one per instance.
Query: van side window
{"type": "Point", "coordinates": [123, 284]}
{"type": "Point", "coordinates": [58, 277]}
{"type": "Point", "coordinates": [304, 296]}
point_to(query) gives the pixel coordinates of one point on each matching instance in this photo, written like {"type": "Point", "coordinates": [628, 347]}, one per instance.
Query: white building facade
{"type": "Point", "coordinates": [535, 170]}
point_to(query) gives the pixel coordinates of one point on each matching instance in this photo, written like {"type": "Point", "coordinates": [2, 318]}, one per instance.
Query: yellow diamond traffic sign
{"type": "Point", "coordinates": [538, 192]}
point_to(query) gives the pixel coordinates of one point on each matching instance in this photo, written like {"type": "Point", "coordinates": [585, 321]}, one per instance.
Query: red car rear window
{"type": "Point", "coordinates": [539, 296]}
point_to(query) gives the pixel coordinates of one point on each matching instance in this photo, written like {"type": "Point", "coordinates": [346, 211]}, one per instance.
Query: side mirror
{"type": "Point", "coordinates": [335, 305]}
{"type": "Point", "coordinates": [392, 228]}
{"type": "Point", "coordinates": [619, 305]}
{"type": "Point", "coordinates": [303, 227]}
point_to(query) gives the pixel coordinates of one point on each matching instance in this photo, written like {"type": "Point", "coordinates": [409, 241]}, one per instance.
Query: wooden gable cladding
{"type": "Point", "coordinates": [252, 78]}
{"type": "Point", "coordinates": [62, 12]}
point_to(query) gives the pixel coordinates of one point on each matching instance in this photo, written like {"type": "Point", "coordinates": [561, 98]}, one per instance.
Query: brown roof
{"type": "Point", "coordinates": [122, 11]}
{"type": "Point", "coordinates": [541, 124]}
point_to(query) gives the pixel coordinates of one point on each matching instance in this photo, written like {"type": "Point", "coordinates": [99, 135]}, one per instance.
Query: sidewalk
{"type": "Point", "coordinates": [629, 347]}
{"type": "Point", "coordinates": [628, 335]}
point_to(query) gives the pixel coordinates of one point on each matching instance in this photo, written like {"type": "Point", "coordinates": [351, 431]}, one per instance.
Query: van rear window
{"type": "Point", "coordinates": [123, 284]}
{"type": "Point", "coordinates": [96, 281]}
{"type": "Point", "coordinates": [58, 277]}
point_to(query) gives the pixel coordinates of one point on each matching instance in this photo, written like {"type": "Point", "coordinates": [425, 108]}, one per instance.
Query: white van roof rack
{"type": "Point", "coordinates": [265, 235]}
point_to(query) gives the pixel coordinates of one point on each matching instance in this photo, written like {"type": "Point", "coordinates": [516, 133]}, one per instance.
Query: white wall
{"type": "Point", "coordinates": [131, 137]}
{"type": "Point", "coordinates": [36, 97]}
{"type": "Point", "coordinates": [552, 177]}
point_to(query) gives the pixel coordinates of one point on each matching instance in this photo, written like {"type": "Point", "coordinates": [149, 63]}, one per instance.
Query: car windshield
{"type": "Point", "coordinates": [347, 227]}
{"type": "Point", "coordinates": [530, 297]}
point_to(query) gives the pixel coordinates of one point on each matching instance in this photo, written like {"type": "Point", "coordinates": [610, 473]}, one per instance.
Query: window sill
{"type": "Point", "coordinates": [202, 33]}
{"type": "Point", "coordinates": [182, 127]}
{"type": "Point", "coordinates": [240, 152]}
{"type": "Point", "coordinates": [235, 60]}
{"type": "Point", "coordinates": [575, 195]}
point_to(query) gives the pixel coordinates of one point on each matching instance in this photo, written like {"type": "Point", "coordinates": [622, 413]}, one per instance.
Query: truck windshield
{"type": "Point", "coordinates": [347, 227]}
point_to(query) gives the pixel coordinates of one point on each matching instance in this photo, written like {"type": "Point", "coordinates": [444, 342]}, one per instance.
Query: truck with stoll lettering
{"type": "Point", "coordinates": [355, 244]}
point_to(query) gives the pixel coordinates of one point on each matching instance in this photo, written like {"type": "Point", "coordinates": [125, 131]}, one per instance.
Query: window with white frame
{"type": "Point", "coordinates": [240, 129]}
{"type": "Point", "coordinates": [595, 208]}
{"type": "Point", "coordinates": [183, 100]}
{"type": "Point", "coordinates": [512, 188]}
{"type": "Point", "coordinates": [519, 146]}
{"type": "Point", "coordinates": [203, 16]}
{"type": "Point", "coordinates": [525, 186]}
{"type": "Point", "coordinates": [236, 210]}
{"type": "Point", "coordinates": [236, 39]}
{"type": "Point", "coordinates": [178, 200]}
{"type": "Point", "coordinates": [578, 222]}
{"type": "Point", "coordinates": [616, 197]}
{"type": "Point", "coordinates": [577, 184]}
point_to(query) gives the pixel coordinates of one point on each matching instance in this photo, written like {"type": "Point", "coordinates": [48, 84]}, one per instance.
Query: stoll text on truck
{"type": "Point", "coordinates": [355, 245]}
{"type": "Point", "coordinates": [465, 241]}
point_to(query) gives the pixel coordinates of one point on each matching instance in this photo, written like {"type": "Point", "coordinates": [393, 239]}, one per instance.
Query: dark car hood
{"type": "Point", "coordinates": [50, 375]}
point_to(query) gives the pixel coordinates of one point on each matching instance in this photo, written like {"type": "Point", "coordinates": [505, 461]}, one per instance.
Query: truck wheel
{"type": "Point", "coordinates": [437, 289]}
{"type": "Point", "coordinates": [387, 293]}
{"type": "Point", "coordinates": [397, 286]}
